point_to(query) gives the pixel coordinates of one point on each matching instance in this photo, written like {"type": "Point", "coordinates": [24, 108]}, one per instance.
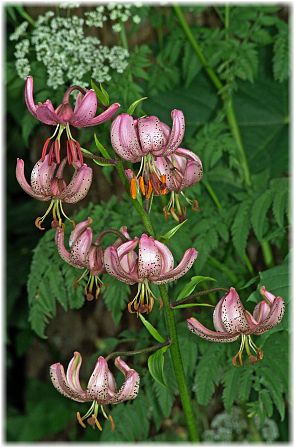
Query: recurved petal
{"type": "Point", "coordinates": [124, 138]}
{"type": "Point", "coordinates": [268, 295]}
{"type": "Point", "coordinates": [80, 249]}
{"type": "Point", "coordinates": [274, 318]}
{"type": "Point", "coordinates": [104, 116]}
{"type": "Point", "coordinates": [177, 132]}
{"type": "Point", "coordinates": [217, 318]}
{"type": "Point", "coordinates": [149, 259]}
{"type": "Point", "coordinates": [58, 378]}
{"type": "Point", "coordinates": [185, 264]}
{"type": "Point", "coordinates": [85, 110]}
{"type": "Point", "coordinates": [78, 230]}
{"type": "Point", "coordinates": [79, 185]}
{"type": "Point", "coordinates": [261, 311]}
{"type": "Point", "coordinates": [20, 176]}
{"type": "Point", "coordinates": [127, 256]}
{"type": "Point", "coordinates": [233, 313]}
{"type": "Point", "coordinates": [29, 98]}
{"type": "Point", "coordinates": [167, 260]}
{"type": "Point", "coordinates": [98, 384]}
{"type": "Point", "coordinates": [63, 252]}
{"type": "Point", "coordinates": [45, 114]}
{"type": "Point", "coordinates": [41, 177]}
{"type": "Point", "coordinates": [151, 135]}
{"type": "Point", "coordinates": [214, 336]}
{"type": "Point", "coordinates": [114, 268]}
{"type": "Point", "coordinates": [129, 389]}
{"type": "Point", "coordinates": [73, 372]}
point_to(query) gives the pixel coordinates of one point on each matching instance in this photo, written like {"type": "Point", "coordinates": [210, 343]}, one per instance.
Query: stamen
{"type": "Point", "coordinates": [40, 219]}
{"type": "Point", "coordinates": [113, 426]}
{"type": "Point", "coordinates": [96, 422]}
{"type": "Point", "coordinates": [133, 188]}
{"type": "Point", "coordinates": [80, 420]}
{"type": "Point", "coordinates": [141, 185]}
{"type": "Point", "coordinates": [149, 189]}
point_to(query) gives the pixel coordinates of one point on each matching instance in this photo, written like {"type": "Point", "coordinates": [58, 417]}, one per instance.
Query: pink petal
{"type": "Point", "coordinates": [29, 98]}
{"type": "Point", "coordinates": [214, 336]}
{"type": "Point", "coordinates": [124, 138]}
{"type": "Point", "coordinates": [78, 230]}
{"type": "Point", "coordinates": [85, 111]}
{"type": "Point", "coordinates": [233, 314]}
{"type": "Point", "coordinates": [41, 177]}
{"type": "Point", "coordinates": [73, 371]}
{"type": "Point", "coordinates": [114, 268]}
{"type": "Point", "coordinates": [98, 384]}
{"type": "Point", "coordinates": [268, 295]}
{"type": "Point", "coordinates": [130, 388]}
{"type": "Point", "coordinates": [59, 381]}
{"type": "Point", "coordinates": [177, 132]}
{"type": "Point", "coordinates": [149, 260]}
{"type": "Point", "coordinates": [20, 176]}
{"type": "Point", "coordinates": [80, 249]}
{"type": "Point", "coordinates": [186, 263]}
{"type": "Point", "coordinates": [167, 260]}
{"type": "Point", "coordinates": [79, 185]}
{"type": "Point", "coordinates": [95, 260]}
{"type": "Point", "coordinates": [217, 317]}
{"type": "Point", "coordinates": [45, 114]}
{"type": "Point", "coordinates": [261, 311]}
{"type": "Point", "coordinates": [79, 99]}
{"type": "Point", "coordinates": [151, 135]}
{"type": "Point", "coordinates": [63, 252]}
{"type": "Point", "coordinates": [127, 256]}
{"type": "Point", "coordinates": [104, 116]}
{"type": "Point", "coordinates": [274, 318]}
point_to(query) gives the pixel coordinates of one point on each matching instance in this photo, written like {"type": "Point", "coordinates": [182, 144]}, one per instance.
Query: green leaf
{"type": "Point", "coordinates": [153, 332]}
{"type": "Point", "coordinates": [156, 366]}
{"type": "Point", "coordinates": [189, 305]}
{"type": "Point", "coordinates": [191, 285]}
{"type": "Point", "coordinates": [241, 227]}
{"type": "Point", "coordinates": [172, 232]}
{"type": "Point", "coordinates": [258, 213]}
{"type": "Point", "coordinates": [98, 162]}
{"type": "Point", "coordinates": [101, 148]}
{"type": "Point", "coordinates": [279, 189]}
{"type": "Point", "coordinates": [265, 399]}
{"type": "Point", "coordinates": [101, 94]}
{"type": "Point", "coordinates": [231, 387]}
{"type": "Point", "coordinates": [281, 55]}
{"type": "Point", "coordinates": [134, 105]}
{"type": "Point", "coordinates": [115, 295]}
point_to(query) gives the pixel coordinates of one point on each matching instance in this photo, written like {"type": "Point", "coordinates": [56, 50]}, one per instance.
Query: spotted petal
{"type": "Point", "coordinates": [124, 138]}
{"type": "Point", "coordinates": [113, 267]}
{"type": "Point", "coordinates": [98, 385]}
{"type": "Point", "coordinates": [149, 259]}
{"type": "Point", "coordinates": [177, 132]}
{"type": "Point", "coordinates": [274, 318]}
{"type": "Point", "coordinates": [104, 116]}
{"type": "Point", "coordinates": [85, 110]}
{"type": "Point", "coordinates": [59, 381]}
{"type": "Point", "coordinates": [167, 260]}
{"type": "Point", "coordinates": [233, 314]}
{"type": "Point", "coordinates": [129, 389]}
{"type": "Point", "coordinates": [41, 177]}
{"type": "Point", "coordinates": [151, 135]}
{"type": "Point", "coordinates": [79, 185]}
{"type": "Point", "coordinates": [73, 372]}
{"type": "Point", "coordinates": [217, 316]}
{"type": "Point", "coordinates": [185, 264]}
{"type": "Point", "coordinates": [21, 178]}
{"type": "Point", "coordinates": [214, 336]}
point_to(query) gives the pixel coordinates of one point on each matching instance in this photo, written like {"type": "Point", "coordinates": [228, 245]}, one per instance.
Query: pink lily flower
{"type": "Point", "coordinates": [101, 389]}
{"type": "Point", "coordinates": [63, 116]}
{"type": "Point", "coordinates": [48, 184]}
{"type": "Point", "coordinates": [182, 169]}
{"type": "Point", "coordinates": [153, 263]}
{"type": "Point", "coordinates": [231, 320]}
{"type": "Point", "coordinates": [85, 253]}
{"type": "Point", "coordinates": [143, 139]}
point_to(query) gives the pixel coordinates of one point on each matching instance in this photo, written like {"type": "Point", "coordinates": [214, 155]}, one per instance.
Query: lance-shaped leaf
{"type": "Point", "coordinates": [151, 329]}
{"type": "Point", "coordinates": [167, 236]}
{"type": "Point", "coordinates": [134, 105]}
{"type": "Point", "coordinates": [191, 285]}
{"type": "Point", "coordinates": [156, 366]}
{"type": "Point", "coordinates": [101, 93]}
{"type": "Point", "coordinates": [101, 148]}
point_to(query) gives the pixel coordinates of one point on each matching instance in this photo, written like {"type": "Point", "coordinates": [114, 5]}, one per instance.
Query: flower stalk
{"type": "Point", "coordinates": [138, 352]}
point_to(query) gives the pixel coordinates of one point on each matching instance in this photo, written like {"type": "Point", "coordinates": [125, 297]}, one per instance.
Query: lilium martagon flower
{"type": "Point", "coordinates": [64, 116]}
{"type": "Point", "coordinates": [152, 263]}
{"type": "Point", "coordinates": [232, 321]}
{"type": "Point", "coordinates": [101, 390]}
{"type": "Point", "coordinates": [86, 253]}
{"type": "Point", "coordinates": [48, 184]}
{"type": "Point", "coordinates": [142, 140]}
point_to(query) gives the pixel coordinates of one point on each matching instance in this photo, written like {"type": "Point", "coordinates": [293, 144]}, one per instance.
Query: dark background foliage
{"type": "Point", "coordinates": [241, 233]}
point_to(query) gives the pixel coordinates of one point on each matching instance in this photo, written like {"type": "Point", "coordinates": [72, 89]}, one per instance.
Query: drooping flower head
{"type": "Point", "coordinates": [48, 184]}
{"type": "Point", "coordinates": [181, 169]}
{"type": "Point", "coordinates": [142, 140]}
{"type": "Point", "coordinates": [63, 116]}
{"type": "Point", "coordinates": [86, 253]}
{"type": "Point", "coordinates": [231, 320]}
{"type": "Point", "coordinates": [101, 389]}
{"type": "Point", "coordinates": [152, 263]}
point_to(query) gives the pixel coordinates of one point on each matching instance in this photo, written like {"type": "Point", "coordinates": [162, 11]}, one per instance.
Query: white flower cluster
{"type": "Point", "coordinates": [19, 31]}
{"type": "Point", "coordinates": [68, 54]}
{"type": "Point", "coordinates": [22, 49]}
{"type": "Point", "coordinates": [115, 12]}
{"type": "Point", "coordinates": [96, 18]}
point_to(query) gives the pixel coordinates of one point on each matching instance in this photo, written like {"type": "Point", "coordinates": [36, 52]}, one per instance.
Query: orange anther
{"type": "Point", "coordinates": [80, 420]}
{"type": "Point", "coordinates": [113, 426]}
{"type": "Point", "coordinates": [141, 185]}
{"type": "Point", "coordinates": [133, 188]}
{"type": "Point", "coordinates": [149, 190]}
{"type": "Point", "coordinates": [96, 422]}
{"type": "Point", "coordinates": [38, 222]}
{"type": "Point", "coordinates": [163, 179]}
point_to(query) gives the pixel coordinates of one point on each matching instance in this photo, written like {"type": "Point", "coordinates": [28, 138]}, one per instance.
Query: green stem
{"type": "Point", "coordinates": [178, 367]}
{"type": "Point", "coordinates": [138, 352]}
{"type": "Point", "coordinates": [229, 109]}
{"type": "Point", "coordinates": [267, 253]}
{"type": "Point", "coordinates": [248, 264]}
{"type": "Point", "coordinates": [171, 327]}
{"type": "Point", "coordinates": [212, 194]}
